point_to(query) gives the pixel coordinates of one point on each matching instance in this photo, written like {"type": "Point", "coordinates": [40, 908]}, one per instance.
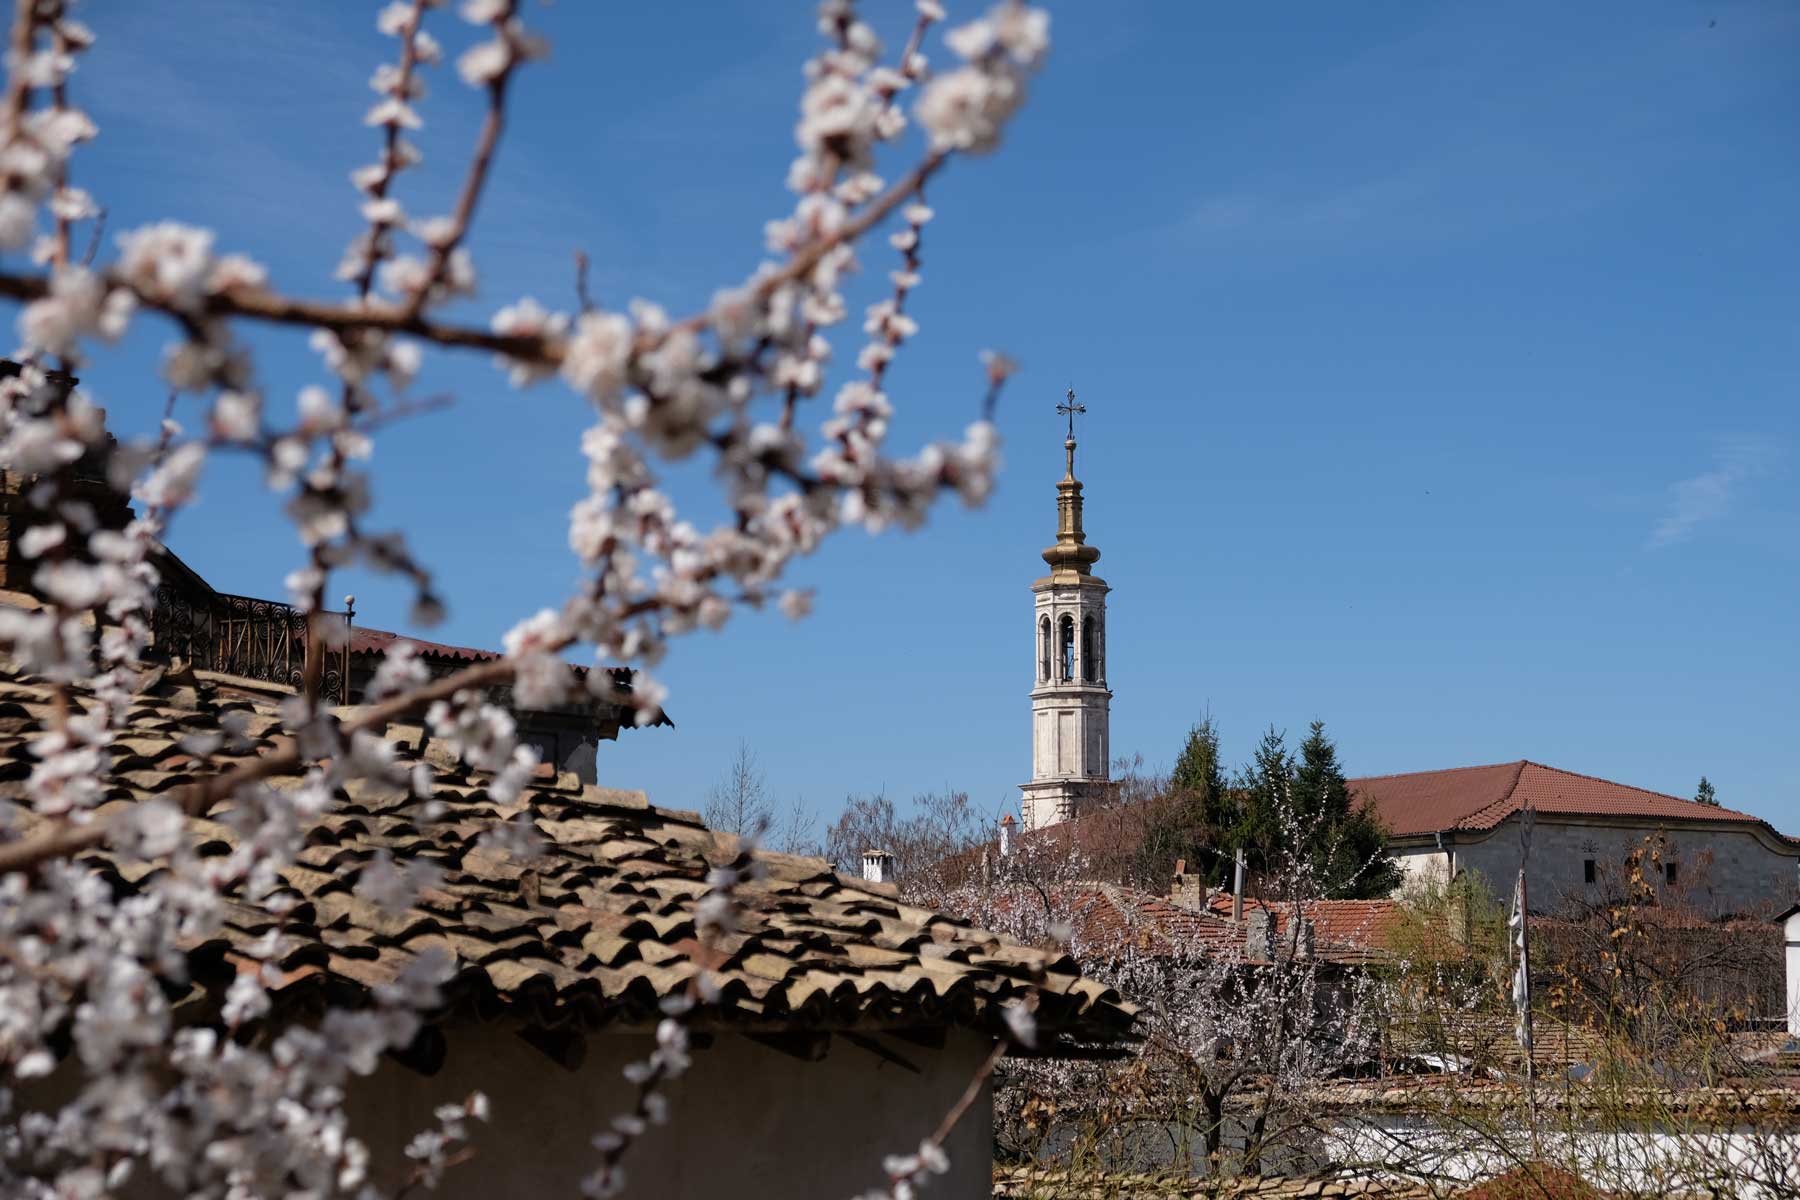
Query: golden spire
{"type": "Point", "coordinates": [1071, 552]}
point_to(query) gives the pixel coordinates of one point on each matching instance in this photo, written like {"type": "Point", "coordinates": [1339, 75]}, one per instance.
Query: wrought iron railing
{"type": "Point", "coordinates": [242, 635]}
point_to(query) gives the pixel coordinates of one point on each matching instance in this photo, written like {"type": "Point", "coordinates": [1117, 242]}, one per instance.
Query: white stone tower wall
{"type": "Point", "coordinates": [1071, 739]}
{"type": "Point", "coordinates": [1069, 718]}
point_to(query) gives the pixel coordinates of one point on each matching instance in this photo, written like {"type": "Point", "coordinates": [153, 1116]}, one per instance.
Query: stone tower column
{"type": "Point", "coordinates": [1071, 743]}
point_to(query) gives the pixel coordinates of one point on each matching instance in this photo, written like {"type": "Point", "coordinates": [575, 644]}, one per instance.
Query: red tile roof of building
{"type": "Point", "coordinates": [1340, 924]}
{"type": "Point", "coordinates": [1110, 915]}
{"type": "Point", "coordinates": [1482, 797]}
{"type": "Point", "coordinates": [364, 640]}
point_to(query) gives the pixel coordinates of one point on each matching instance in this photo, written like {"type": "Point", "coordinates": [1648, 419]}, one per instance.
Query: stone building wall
{"type": "Point", "coordinates": [1719, 871]}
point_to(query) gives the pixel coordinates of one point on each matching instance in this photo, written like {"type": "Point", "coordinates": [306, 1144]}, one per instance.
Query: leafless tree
{"type": "Point", "coordinates": [739, 803]}
{"type": "Point", "coordinates": [797, 831]}
{"type": "Point", "coordinates": [943, 827]}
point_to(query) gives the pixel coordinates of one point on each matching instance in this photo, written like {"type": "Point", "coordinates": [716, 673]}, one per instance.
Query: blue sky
{"type": "Point", "coordinates": [1440, 362]}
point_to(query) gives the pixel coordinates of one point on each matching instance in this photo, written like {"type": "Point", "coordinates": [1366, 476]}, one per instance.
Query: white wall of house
{"type": "Point", "coordinates": [1793, 973]}
{"type": "Point", "coordinates": [1420, 866]}
{"type": "Point", "coordinates": [1719, 870]}
{"type": "Point", "coordinates": [1761, 1161]}
{"type": "Point", "coordinates": [746, 1121]}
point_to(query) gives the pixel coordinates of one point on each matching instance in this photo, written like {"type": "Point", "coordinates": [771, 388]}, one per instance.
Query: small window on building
{"type": "Point", "coordinates": [1588, 873]}
{"type": "Point", "coordinates": [1669, 872]}
{"type": "Point", "coordinates": [1044, 650]}
{"type": "Point", "coordinates": [1068, 649]}
{"type": "Point", "coordinates": [1088, 659]}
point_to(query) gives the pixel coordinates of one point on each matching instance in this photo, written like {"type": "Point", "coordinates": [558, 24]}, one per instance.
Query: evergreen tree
{"type": "Point", "coordinates": [1194, 817]}
{"type": "Point", "coordinates": [1206, 821]}
{"type": "Point", "coordinates": [1704, 794]}
{"type": "Point", "coordinates": [1263, 787]}
{"type": "Point", "coordinates": [1199, 776]}
{"type": "Point", "coordinates": [1346, 842]}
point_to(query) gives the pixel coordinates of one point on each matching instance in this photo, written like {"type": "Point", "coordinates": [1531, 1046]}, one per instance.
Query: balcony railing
{"type": "Point", "coordinates": [242, 635]}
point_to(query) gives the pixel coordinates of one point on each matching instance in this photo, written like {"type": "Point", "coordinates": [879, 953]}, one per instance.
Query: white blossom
{"type": "Point", "coordinates": [18, 220]}
{"type": "Point", "coordinates": [168, 261]}
{"type": "Point", "coordinates": [598, 355]}
{"type": "Point", "coordinates": [80, 303]}
{"type": "Point", "coordinates": [527, 318]}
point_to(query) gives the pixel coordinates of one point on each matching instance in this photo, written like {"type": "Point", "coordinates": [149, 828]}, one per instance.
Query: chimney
{"type": "Point", "coordinates": [1306, 939]}
{"type": "Point", "coordinates": [878, 866]}
{"type": "Point", "coordinates": [1257, 938]}
{"type": "Point", "coordinates": [1185, 890]}
{"type": "Point", "coordinates": [1459, 915]}
{"type": "Point", "coordinates": [1237, 885]}
{"type": "Point", "coordinates": [1006, 834]}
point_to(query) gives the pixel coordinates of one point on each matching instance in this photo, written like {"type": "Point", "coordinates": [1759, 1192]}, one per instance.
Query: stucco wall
{"type": "Point", "coordinates": [1642, 1159]}
{"type": "Point", "coordinates": [1720, 870]}
{"type": "Point", "coordinates": [1421, 866]}
{"type": "Point", "coordinates": [1792, 939]}
{"type": "Point", "coordinates": [747, 1121]}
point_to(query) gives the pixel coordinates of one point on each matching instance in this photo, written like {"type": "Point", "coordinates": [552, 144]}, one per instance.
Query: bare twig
{"type": "Point", "coordinates": [582, 297]}
{"type": "Point", "coordinates": [93, 246]}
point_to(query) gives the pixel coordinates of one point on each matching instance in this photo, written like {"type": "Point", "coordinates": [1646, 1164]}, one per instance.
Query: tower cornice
{"type": "Point", "coordinates": [1069, 579]}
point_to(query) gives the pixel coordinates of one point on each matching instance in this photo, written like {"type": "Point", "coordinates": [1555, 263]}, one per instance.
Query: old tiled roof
{"type": "Point", "coordinates": [595, 931]}
{"type": "Point", "coordinates": [1042, 1182]}
{"type": "Point", "coordinates": [1481, 797]}
{"type": "Point", "coordinates": [1338, 924]}
{"type": "Point", "coordinates": [364, 640]}
{"type": "Point", "coordinates": [1536, 1181]}
{"type": "Point", "coordinates": [1482, 1039]}
{"type": "Point", "coordinates": [1114, 915]}
{"type": "Point", "coordinates": [1108, 915]}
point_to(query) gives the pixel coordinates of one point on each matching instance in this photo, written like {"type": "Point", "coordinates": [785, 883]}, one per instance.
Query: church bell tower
{"type": "Point", "coordinates": [1070, 702]}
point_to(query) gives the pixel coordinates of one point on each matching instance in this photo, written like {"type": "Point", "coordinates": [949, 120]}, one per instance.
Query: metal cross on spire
{"type": "Point", "coordinates": [1069, 408]}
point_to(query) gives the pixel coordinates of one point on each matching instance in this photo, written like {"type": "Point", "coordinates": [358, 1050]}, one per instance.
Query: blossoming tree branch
{"type": "Point", "coordinates": [739, 382]}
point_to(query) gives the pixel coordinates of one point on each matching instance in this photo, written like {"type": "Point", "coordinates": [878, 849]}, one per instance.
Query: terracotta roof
{"type": "Point", "coordinates": [1338, 924]}
{"type": "Point", "coordinates": [1482, 797]}
{"type": "Point", "coordinates": [1486, 1039]}
{"type": "Point", "coordinates": [1108, 914]}
{"type": "Point", "coordinates": [596, 930]}
{"type": "Point", "coordinates": [364, 640]}
{"type": "Point", "coordinates": [1040, 1181]}
{"type": "Point", "coordinates": [1536, 1181]}
{"type": "Point", "coordinates": [1111, 915]}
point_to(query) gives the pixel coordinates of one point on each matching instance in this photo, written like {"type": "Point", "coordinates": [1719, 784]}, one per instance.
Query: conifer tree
{"type": "Point", "coordinates": [1199, 776]}
{"type": "Point", "coordinates": [1348, 843]}
{"type": "Point", "coordinates": [1196, 817]}
{"type": "Point", "coordinates": [1264, 787]}
{"type": "Point", "coordinates": [1705, 794]}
